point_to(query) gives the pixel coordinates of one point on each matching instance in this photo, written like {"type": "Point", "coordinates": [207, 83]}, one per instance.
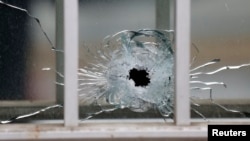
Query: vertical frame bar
{"type": "Point", "coordinates": [68, 24]}
{"type": "Point", "coordinates": [71, 62]}
{"type": "Point", "coordinates": [182, 46]}
{"type": "Point", "coordinates": [59, 54]}
{"type": "Point", "coordinates": [171, 14]}
{"type": "Point", "coordinates": [163, 14]}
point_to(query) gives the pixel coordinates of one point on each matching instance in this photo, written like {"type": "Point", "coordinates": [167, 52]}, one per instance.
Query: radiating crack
{"type": "Point", "coordinates": [35, 18]}
{"type": "Point", "coordinates": [130, 71]}
{"type": "Point", "coordinates": [30, 114]}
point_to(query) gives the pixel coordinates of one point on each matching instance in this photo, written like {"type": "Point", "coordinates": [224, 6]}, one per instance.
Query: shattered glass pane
{"type": "Point", "coordinates": [130, 71]}
{"type": "Point", "coordinates": [124, 72]}
{"type": "Point", "coordinates": [219, 75]}
{"type": "Point", "coordinates": [26, 51]}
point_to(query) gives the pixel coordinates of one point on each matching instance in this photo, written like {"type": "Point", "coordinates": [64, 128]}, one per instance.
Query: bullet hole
{"type": "Point", "coordinates": [140, 77]}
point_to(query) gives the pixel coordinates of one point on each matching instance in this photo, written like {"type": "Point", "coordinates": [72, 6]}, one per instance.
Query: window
{"type": "Point", "coordinates": [81, 23]}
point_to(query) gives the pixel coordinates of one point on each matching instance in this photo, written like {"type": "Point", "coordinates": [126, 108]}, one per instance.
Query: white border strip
{"type": "Point", "coordinates": [102, 130]}
{"type": "Point", "coordinates": [182, 46]}
{"type": "Point", "coordinates": [71, 105]}
{"type": "Point", "coordinates": [112, 129]}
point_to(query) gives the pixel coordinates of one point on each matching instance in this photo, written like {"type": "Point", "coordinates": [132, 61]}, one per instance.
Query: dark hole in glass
{"type": "Point", "coordinates": [140, 77]}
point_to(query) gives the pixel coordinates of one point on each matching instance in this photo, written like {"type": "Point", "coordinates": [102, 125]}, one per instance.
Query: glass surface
{"type": "Point", "coordinates": [126, 59]}
{"type": "Point", "coordinates": [27, 82]}
{"type": "Point", "coordinates": [220, 31]}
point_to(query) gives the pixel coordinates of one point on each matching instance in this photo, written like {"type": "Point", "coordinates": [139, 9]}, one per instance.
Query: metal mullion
{"type": "Point", "coordinates": [182, 46]}
{"type": "Point", "coordinates": [68, 32]}
{"type": "Point", "coordinates": [71, 41]}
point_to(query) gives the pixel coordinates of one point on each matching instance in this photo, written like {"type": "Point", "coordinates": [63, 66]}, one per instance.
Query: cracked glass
{"type": "Point", "coordinates": [219, 73]}
{"type": "Point", "coordinates": [126, 60]}
{"type": "Point", "coordinates": [27, 90]}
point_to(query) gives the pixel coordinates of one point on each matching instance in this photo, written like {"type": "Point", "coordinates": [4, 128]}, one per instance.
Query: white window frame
{"type": "Point", "coordinates": [70, 128]}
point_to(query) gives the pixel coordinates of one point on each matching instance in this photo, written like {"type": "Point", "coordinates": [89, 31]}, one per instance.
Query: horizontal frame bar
{"type": "Point", "coordinates": [112, 129]}
{"type": "Point", "coordinates": [151, 129]}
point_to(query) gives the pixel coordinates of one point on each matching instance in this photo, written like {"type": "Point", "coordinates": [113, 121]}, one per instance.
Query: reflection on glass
{"type": "Point", "coordinates": [220, 72]}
